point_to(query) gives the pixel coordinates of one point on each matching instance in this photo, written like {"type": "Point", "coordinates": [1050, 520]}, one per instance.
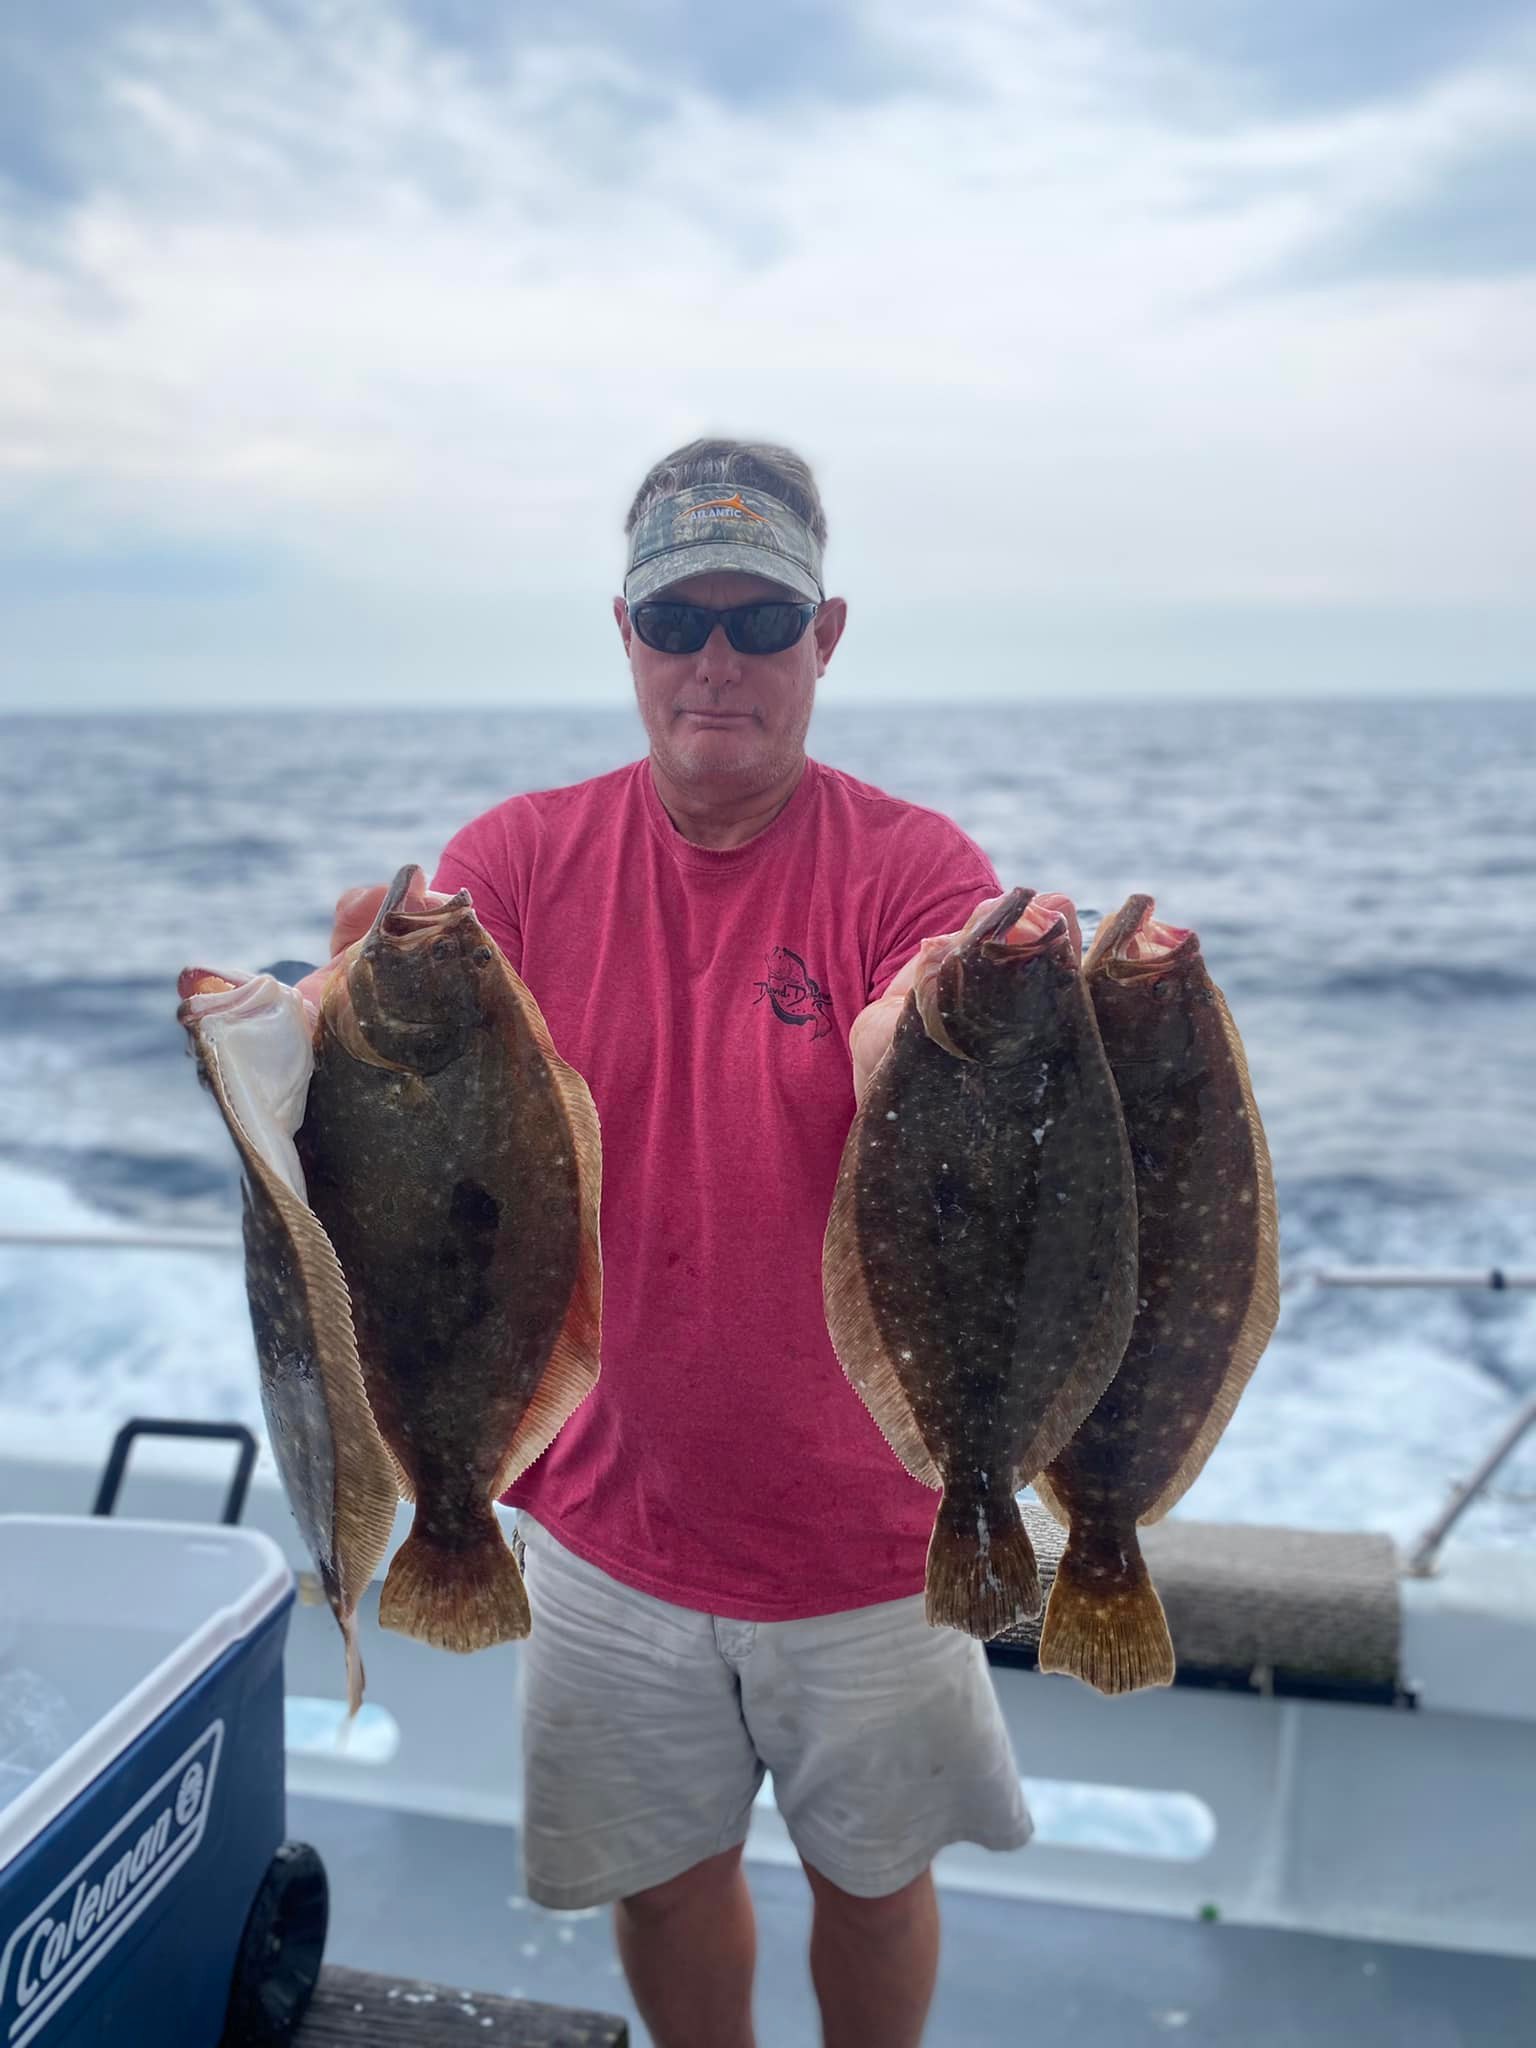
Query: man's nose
{"type": "Point", "coordinates": [719, 664]}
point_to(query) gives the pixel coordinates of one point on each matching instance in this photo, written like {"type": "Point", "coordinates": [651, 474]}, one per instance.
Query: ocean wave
{"type": "Point", "coordinates": [134, 1187]}
{"type": "Point", "coordinates": [1431, 982]}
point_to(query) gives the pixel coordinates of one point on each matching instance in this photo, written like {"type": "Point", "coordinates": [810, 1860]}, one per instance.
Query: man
{"type": "Point", "coordinates": [724, 1558]}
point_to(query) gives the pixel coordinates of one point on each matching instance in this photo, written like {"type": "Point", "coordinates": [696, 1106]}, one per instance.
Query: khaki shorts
{"type": "Point", "coordinates": [648, 1729]}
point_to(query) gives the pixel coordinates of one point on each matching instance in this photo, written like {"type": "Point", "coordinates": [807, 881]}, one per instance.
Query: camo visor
{"type": "Point", "coordinates": [721, 526]}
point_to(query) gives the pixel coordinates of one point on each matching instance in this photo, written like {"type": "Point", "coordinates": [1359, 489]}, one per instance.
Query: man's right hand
{"type": "Point", "coordinates": [355, 911]}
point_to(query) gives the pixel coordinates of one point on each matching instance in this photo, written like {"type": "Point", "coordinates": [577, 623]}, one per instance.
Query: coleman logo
{"type": "Point", "coordinates": [59, 1944]}
{"type": "Point", "coordinates": [725, 508]}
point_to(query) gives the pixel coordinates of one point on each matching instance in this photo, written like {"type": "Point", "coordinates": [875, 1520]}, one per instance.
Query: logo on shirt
{"type": "Point", "coordinates": [793, 992]}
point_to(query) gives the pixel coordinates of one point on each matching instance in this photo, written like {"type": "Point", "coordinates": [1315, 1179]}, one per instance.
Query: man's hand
{"type": "Point", "coordinates": [875, 1026]}
{"type": "Point", "coordinates": [355, 911]}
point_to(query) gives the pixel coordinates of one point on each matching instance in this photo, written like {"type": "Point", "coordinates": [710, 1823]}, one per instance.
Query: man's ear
{"type": "Point", "coordinates": [621, 620]}
{"type": "Point", "coordinates": [828, 627]}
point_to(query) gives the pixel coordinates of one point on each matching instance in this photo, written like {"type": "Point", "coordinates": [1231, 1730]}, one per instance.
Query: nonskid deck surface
{"type": "Point", "coordinates": [443, 1899]}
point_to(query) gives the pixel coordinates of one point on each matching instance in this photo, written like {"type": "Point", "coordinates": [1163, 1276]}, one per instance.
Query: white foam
{"type": "Point", "coordinates": [118, 1333]}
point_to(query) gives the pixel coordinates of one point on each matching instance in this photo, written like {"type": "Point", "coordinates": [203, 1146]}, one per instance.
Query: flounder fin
{"type": "Point", "coordinates": [575, 1361]}
{"type": "Point", "coordinates": [365, 1486]}
{"type": "Point", "coordinates": [463, 1595]}
{"type": "Point", "coordinates": [855, 1335]}
{"type": "Point", "coordinates": [1104, 1623]}
{"type": "Point", "coordinates": [405, 1485]}
{"type": "Point", "coordinates": [1263, 1310]}
{"type": "Point", "coordinates": [356, 1676]}
{"type": "Point", "coordinates": [1051, 1500]}
{"type": "Point", "coordinates": [982, 1574]}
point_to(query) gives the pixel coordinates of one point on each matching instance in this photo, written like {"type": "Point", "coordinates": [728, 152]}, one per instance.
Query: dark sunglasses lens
{"type": "Point", "coordinates": [766, 628]}
{"type": "Point", "coordinates": [673, 628]}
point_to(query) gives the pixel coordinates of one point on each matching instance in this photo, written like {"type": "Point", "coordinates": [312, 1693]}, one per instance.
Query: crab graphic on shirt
{"type": "Point", "coordinates": [793, 992]}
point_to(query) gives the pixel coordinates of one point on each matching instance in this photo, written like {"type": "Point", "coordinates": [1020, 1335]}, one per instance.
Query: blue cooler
{"type": "Point", "coordinates": [144, 1884]}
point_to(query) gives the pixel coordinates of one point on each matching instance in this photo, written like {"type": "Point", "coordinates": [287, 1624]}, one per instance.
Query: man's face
{"type": "Point", "coordinates": [723, 717]}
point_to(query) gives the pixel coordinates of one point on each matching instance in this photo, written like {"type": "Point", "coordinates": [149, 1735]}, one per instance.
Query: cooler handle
{"type": "Point", "coordinates": [148, 1425]}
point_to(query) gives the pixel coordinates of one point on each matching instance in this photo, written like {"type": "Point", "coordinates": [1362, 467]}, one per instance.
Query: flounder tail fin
{"type": "Point", "coordinates": [982, 1575]}
{"type": "Point", "coordinates": [1104, 1622]}
{"type": "Point", "coordinates": [460, 1594]}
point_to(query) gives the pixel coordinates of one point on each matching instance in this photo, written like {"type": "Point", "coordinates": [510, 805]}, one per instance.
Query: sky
{"type": "Point", "coordinates": [1140, 350]}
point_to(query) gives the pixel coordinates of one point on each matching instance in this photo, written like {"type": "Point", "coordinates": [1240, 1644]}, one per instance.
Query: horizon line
{"type": "Point", "coordinates": [413, 706]}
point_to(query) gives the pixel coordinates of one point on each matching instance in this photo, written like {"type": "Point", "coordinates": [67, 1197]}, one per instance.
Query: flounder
{"type": "Point", "coordinates": [251, 1036]}
{"type": "Point", "coordinates": [454, 1161]}
{"type": "Point", "coordinates": [979, 1265]}
{"type": "Point", "coordinates": [1209, 1293]}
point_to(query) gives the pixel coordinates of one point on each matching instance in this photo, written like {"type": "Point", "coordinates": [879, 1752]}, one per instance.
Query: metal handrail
{"type": "Point", "coordinates": [121, 1240]}
{"type": "Point", "coordinates": [1421, 1559]}
{"type": "Point", "coordinates": [1496, 1278]}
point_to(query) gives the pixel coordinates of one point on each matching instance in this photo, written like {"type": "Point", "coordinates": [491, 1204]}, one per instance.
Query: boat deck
{"type": "Point", "coordinates": [359, 2009]}
{"type": "Point", "coordinates": [441, 1899]}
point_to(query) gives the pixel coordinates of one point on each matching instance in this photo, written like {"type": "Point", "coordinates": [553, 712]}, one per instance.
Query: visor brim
{"type": "Point", "coordinates": [702, 558]}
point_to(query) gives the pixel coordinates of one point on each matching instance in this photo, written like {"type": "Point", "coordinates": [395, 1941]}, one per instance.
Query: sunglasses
{"type": "Point", "coordinates": [767, 627]}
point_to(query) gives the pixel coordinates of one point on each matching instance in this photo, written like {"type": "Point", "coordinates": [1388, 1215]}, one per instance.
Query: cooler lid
{"type": "Point", "coordinates": [120, 1617]}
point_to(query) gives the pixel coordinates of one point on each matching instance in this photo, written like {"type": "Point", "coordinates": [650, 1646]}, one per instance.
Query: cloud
{"type": "Point", "coordinates": [395, 310]}
{"type": "Point", "coordinates": [78, 77]}
{"type": "Point", "coordinates": [1319, 56]}
{"type": "Point", "coordinates": [794, 53]}
{"type": "Point", "coordinates": [1472, 217]}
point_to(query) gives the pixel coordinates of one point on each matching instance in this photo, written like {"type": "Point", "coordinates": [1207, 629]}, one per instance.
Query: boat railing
{"type": "Point", "coordinates": [1421, 1556]}
{"type": "Point", "coordinates": [219, 1241]}
{"type": "Point", "coordinates": [1474, 1278]}
{"type": "Point", "coordinates": [1498, 1279]}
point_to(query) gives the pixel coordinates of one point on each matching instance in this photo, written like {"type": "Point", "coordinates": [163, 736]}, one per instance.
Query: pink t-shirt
{"type": "Point", "coordinates": [723, 1461]}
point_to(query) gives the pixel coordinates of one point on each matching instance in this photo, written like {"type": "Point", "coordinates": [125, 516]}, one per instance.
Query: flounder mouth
{"type": "Point", "coordinates": [1046, 923]}
{"type": "Point", "coordinates": [206, 981]}
{"type": "Point", "coordinates": [1023, 926]}
{"type": "Point", "coordinates": [1133, 945]}
{"type": "Point", "coordinates": [205, 993]}
{"type": "Point", "coordinates": [395, 921]}
{"type": "Point", "coordinates": [405, 925]}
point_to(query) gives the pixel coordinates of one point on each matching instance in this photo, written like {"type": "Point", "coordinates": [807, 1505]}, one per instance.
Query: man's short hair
{"type": "Point", "coordinates": [760, 465]}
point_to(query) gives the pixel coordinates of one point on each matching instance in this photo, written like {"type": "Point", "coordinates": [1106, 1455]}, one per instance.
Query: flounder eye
{"type": "Point", "coordinates": [443, 949]}
{"type": "Point", "coordinates": [482, 956]}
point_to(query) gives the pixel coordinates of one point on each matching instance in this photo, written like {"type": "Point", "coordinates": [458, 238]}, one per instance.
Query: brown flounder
{"type": "Point", "coordinates": [1209, 1293]}
{"type": "Point", "coordinates": [251, 1036]}
{"type": "Point", "coordinates": [980, 1258]}
{"type": "Point", "coordinates": [454, 1161]}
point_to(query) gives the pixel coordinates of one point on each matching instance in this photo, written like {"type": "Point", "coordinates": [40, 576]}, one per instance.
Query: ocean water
{"type": "Point", "coordinates": [1363, 878]}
